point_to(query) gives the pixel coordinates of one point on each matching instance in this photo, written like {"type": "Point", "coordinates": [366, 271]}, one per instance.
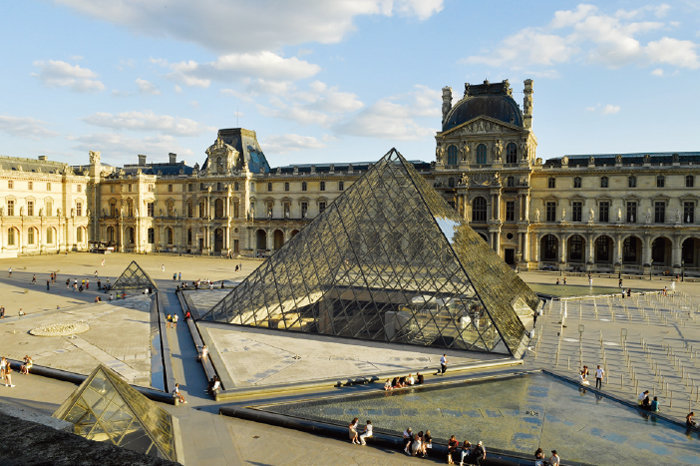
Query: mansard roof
{"type": "Point", "coordinates": [628, 160]}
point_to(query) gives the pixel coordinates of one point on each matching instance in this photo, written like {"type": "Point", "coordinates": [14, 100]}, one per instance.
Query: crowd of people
{"type": "Point", "coordinates": [404, 381]}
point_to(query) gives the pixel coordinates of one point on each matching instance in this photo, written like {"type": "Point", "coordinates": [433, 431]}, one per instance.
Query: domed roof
{"type": "Point", "coordinates": [492, 100]}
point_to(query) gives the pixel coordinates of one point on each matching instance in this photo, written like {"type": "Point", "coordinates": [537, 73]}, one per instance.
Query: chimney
{"type": "Point", "coordinates": [446, 102]}
{"type": "Point", "coordinates": [527, 104]}
{"type": "Point", "coordinates": [43, 158]}
{"type": "Point", "coordinates": [173, 158]}
{"type": "Point", "coordinates": [142, 160]}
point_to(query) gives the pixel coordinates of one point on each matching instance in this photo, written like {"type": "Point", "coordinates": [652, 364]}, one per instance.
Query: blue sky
{"type": "Point", "coordinates": [344, 80]}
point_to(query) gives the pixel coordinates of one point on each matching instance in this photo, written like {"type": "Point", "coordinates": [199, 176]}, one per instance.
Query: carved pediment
{"type": "Point", "coordinates": [483, 126]}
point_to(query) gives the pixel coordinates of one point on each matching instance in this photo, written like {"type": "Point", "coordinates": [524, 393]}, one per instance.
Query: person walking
{"type": "Point", "coordinates": [48, 285]}
{"type": "Point", "coordinates": [599, 373]}
{"type": "Point", "coordinates": [34, 279]}
{"type": "Point", "coordinates": [443, 365]}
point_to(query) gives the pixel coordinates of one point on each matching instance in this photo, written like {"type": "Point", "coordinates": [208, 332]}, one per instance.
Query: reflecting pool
{"type": "Point", "coordinates": [517, 414]}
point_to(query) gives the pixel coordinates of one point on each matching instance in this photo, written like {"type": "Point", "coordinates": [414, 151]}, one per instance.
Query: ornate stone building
{"type": "Point", "coordinates": [635, 213]}
{"type": "Point", "coordinates": [43, 207]}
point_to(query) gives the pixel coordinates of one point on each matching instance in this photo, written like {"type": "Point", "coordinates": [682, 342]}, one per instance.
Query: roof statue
{"type": "Point", "coordinates": [134, 277]}
{"type": "Point", "coordinates": [389, 260]}
{"type": "Point", "coordinates": [106, 408]}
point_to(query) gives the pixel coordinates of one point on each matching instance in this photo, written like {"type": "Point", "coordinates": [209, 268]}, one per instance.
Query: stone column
{"type": "Point", "coordinates": [646, 249]}
{"type": "Point", "coordinates": [270, 239]}
{"type": "Point", "coordinates": [562, 250]}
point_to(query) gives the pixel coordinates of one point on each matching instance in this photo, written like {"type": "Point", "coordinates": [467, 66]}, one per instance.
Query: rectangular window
{"type": "Point", "coordinates": [552, 183]}
{"type": "Point", "coordinates": [10, 208]}
{"type": "Point", "coordinates": [30, 185]}
{"type": "Point", "coordinates": [236, 211]}
{"type": "Point", "coordinates": [286, 185]}
{"type": "Point", "coordinates": [30, 208]}
{"type": "Point", "coordinates": [304, 208]}
{"type": "Point", "coordinates": [11, 237]}
{"type": "Point", "coordinates": [190, 187]}
{"type": "Point", "coordinates": [341, 185]}
{"type": "Point", "coordinates": [303, 185]}
{"type": "Point", "coordinates": [80, 188]}
{"type": "Point", "coordinates": [151, 236]}
{"type": "Point", "coordinates": [30, 236]}
{"type": "Point", "coordinates": [79, 209]}
{"type": "Point", "coordinates": [48, 186]}
{"type": "Point", "coordinates": [689, 212]}
{"type": "Point", "coordinates": [689, 181]}
{"type": "Point", "coordinates": [510, 211]}
{"type": "Point", "coordinates": [150, 208]}
{"type": "Point", "coordinates": [111, 188]}
{"type": "Point", "coordinates": [323, 186]}
{"type": "Point", "coordinates": [129, 188]}
{"type": "Point", "coordinates": [170, 188]}
{"type": "Point", "coordinates": [551, 211]}
{"type": "Point", "coordinates": [576, 211]}
{"type": "Point", "coordinates": [604, 212]}
{"type": "Point", "coordinates": [631, 212]}
{"type": "Point", "coordinates": [659, 212]}
{"type": "Point", "coordinates": [269, 187]}
{"type": "Point", "coordinates": [269, 206]}
{"type": "Point", "coordinates": [660, 181]}
{"type": "Point", "coordinates": [10, 184]}
{"type": "Point", "coordinates": [287, 208]}
{"type": "Point", "coordinates": [321, 206]}
{"type": "Point", "coordinates": [235, 186]}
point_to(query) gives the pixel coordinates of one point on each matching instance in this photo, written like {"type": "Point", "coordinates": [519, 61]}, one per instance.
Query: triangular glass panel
{"type": "Point", "coordinates": [134, 278]}
{"type": "Point", "coordinates": [389, 260]}
{"type": "Point", "coordinates": [106, 408]}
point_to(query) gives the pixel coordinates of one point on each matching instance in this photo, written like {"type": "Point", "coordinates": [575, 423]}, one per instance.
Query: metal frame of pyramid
{"type": "Point", "coordinates": [105, 407]}
{"type": "Point", "coordinates": [134, 277]}
{"type": "Point", "coordinates": [389, 260]}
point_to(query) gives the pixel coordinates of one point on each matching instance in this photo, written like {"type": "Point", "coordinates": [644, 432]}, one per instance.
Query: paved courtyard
{"type": "Point", "coordinates": [659, 350]}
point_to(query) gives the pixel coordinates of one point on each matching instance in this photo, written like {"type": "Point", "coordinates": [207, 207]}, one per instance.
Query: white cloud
{"type": "Point", "coordinates": [148, 121]}
{"type": "Point", "coordinates": [657, 72]}
{"type": "Point", "coordinates": [123, 149]}
{"type": "Point", "coordinates": [607, 109]}
{"type": "Point", "coordinates": [24, 127]}
{"type": "Point", "coordinates": [249, 25]}
{"type": "Point", "coordinates": [610, 109]}
{"type": "Point", "coordinates": [57, 73]}
{"type": "Point", "coordinates": [146, 87]}
{"type": "Point", "coordinates": [267, 66]}
{"type": "Point", "coordinates": [395, 117]}
{"type": "Point", "coordinates": [279, 144]}
{"type": "Point", "coordinates": [680, 53]}
{"type": "Point", "coordinates": [319, 104]}
{"type": "Point", "coordinates": [587, 34]}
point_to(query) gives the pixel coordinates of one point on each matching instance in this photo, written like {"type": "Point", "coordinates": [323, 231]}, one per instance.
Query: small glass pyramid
{"type": "Point", "coordinates": [134, 277]}
{"type": "Point", "coordinates": [106, 408]}
{"type": "Point", "coordinates": [389, 260]}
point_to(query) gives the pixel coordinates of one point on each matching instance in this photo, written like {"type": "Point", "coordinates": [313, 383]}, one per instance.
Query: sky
{"type": "Point", "coordinates": [324, 81]}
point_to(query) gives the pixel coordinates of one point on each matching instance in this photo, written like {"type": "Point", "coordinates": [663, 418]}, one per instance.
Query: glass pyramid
{"type": "Point", "coordinates": [106, 408]}
{"type": "Point", "coordinates": [389, 260]}
{"type": "Point", "coordinates": [134, 277]}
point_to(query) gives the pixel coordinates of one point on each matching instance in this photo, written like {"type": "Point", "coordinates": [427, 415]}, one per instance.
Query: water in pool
{"type": "Point", "coordinates": [518, 414]}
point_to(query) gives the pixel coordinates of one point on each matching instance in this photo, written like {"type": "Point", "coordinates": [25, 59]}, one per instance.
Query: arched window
{"type": "Point", "coordinates": [49, 236]}
{"type": "Point", "coordinates": [110, 235]}
{"type": "Point", "coordinates": [11, 237]}
{"type": "Point", "coordinates": [479, 209]}
{"type": "Point", "coordinates": [511, 153]}
{"type": "Point", "coordinates": [577, 182]}
{"type": "Point", "coordinates": [481, 154]}
{"type": "Point", "coordinates": [603, 181]}
{"type": "Point", "coordinates": [189, 236]}
{"type": "Point", "coordinates": [202, 209]}
{"type": "Point", "coordinates": [79, 235]}
{"type": "Point", "coordinates": [31, 237]}
{"type": "Point", "coordinates": [452, 155]}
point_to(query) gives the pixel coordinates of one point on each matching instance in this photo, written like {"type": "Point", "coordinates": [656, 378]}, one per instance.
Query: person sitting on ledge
{"type": "Point", "coordinates": [410, 380]}
{"type": "Point", "coordinates": [689, 420]}
{"type": "Point", "coordinates": [28, 363]}
{"type": "Point", "coordinates": [387, 385]}
{"type": "Point", "coordinates": [177, 395]}
{"type": "Point", "coordinates": [419, 378]}
{"type": "Point", "coordinates": [643, 398]}
{"type": "Point", "coordinates": [402, 381]}
{"type": "Point", "coordinates": [204, 353]}
{"type": "Point", "coordinates": [214, 385]}
{"type": "Point", "coordinates": [395, 382]}
{"type": "Point", "coordinates": [654, 406]}
{"type": "Point", "coordinates": [452, 446]}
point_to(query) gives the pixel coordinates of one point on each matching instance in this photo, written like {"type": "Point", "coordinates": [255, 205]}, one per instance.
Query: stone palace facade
{"type": "Point", "coordinates": [631, 213]}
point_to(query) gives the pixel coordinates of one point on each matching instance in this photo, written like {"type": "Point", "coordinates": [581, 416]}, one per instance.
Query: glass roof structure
{"type": "Point", "coordinates": [106, 408]}
{"type": "Point", "coordinates": [134, 277]}
{"type": "Point", "coordinates": [389, 260]}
